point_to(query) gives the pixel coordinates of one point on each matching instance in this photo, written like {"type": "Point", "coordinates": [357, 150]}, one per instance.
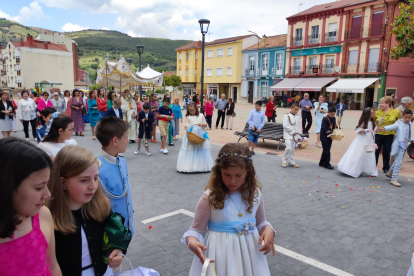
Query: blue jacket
{"type": "Point", "coordinates": [111, 112]}
{"type": "Point", "coordinates": [141, 116]}
{"type": "Point", "coordinates": [177, 111]}
{"type": "Point", "coordinates": [338, 107]}
{"type": "Point", "coordinates": [326, 127]}
{"type": "Point", "coordinates": [114, 180]}
{"type": "Point", "coordinates": [91, 105]}
{"type": "Point", "coordinates": [400, 132]}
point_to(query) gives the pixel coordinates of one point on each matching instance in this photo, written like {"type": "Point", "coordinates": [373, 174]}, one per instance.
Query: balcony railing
{"type": "Point", "coordinates": [277, 71]}
{"type": "Point", "coordinates": [249, 72]}
{"type": "Point", "coordinates": [331, 37]}
{"type": "Point", "coordinates": [261, 72]}
{"type": "Point", "coordinates": [19, 72]}
{"type": "Point", "coordinates": [373, 67]}
{"type": "Point", "coordinates": [327, 68]}
{"type": "Point", "coordinates": [17, 59]}
{"type": "Point", "coordinates": [297, 41]}
{"type": "Point", "coordinates": [376, 30]}
{"type": "Point", "coordinates": [295, 70]}
{"type": "Point", "coordinates": [314, 39]}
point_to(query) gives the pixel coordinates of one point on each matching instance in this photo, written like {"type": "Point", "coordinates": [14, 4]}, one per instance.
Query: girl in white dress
{"type": "Point", "coordinates": [194, 158]}
{"type": "Point", "coordinates": [230, 223]}
{"type": "Point", "coordinates": [59, 135]}
{"type": "Point", "coordinates": [356, 160]}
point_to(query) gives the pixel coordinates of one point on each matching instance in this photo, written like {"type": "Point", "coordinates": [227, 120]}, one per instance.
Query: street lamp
{"type": "Point", "coordinates": [140, 50]}
{"type": "Point", "coordinates": [204, 24]}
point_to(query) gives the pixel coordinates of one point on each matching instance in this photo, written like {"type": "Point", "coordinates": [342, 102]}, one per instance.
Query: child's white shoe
{"type": "Point", "coordinates": [165, 151]}
{"type": "Point", "coordinates": [148, 153]}
{"type": "Point", "coordinates": [137, 152]}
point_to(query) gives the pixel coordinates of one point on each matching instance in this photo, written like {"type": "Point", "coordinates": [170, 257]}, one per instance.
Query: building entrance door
{"type": "Point", "coordinates": [251, 87]}
{"type": "Point", "coordinates": [369, 99]}
{"type": "Point", "coordinates": [234, 94]}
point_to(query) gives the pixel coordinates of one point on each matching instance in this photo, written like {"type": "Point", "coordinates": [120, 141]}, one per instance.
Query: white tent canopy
{"type": "Point", "coordinates": [148, 73]}
{"type": "Point", "coordinates": [351, 85]}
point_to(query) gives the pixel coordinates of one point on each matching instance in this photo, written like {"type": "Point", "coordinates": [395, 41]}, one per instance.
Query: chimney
{"type": "Point", "coordinates": [264, 41]}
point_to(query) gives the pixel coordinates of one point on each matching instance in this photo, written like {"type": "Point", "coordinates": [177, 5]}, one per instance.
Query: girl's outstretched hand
{"type": "Point", "coordinates": [115, 260]}
{"type": "Point", "coordinates": [268, 237]}
{"type": "Point", "coordinates": [198, 248]}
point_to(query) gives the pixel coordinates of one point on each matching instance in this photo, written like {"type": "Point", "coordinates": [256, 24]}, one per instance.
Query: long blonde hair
{"type": "Point", "coordinates": [69, 162]}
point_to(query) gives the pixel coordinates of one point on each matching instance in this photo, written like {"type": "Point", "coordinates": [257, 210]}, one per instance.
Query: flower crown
{"type": "Point", "coordinates": [234, 154]}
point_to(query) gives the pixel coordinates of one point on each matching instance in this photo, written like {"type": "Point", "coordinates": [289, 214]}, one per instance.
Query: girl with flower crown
{"type": "Point", "coordinates": [230, 225]}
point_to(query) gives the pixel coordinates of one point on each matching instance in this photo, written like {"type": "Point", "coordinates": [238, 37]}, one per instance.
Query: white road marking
{"type": "Point", "coordinates": [287, 252]}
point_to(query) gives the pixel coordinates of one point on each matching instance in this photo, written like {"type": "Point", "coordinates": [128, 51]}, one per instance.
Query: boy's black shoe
{"type": "Point", "coordinates": [171, 144]}
{"type": "Point", "coordinates": [321, 165]}
{"type": "Point", "coordinates": [132, 141]}
{"type": "Point", "coordinates": [385, 171]}
{"type": "Point", "coordinates": [328, 166]}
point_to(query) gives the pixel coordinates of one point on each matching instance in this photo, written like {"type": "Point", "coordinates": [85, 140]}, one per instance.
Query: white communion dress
{"type": "Point", "coordinates": [356, 161]}
{"type": "Point", "coordinates": [231, 241]}
{"type": "Point", "coordinates": [192, 157]}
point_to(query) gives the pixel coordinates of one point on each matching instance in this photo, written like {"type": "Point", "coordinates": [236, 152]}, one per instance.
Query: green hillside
{"type": "Point", "coordinates": [13, 30]}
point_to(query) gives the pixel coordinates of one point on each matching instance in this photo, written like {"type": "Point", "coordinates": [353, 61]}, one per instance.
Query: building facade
{"type": "Point", "coordinates": [263, 66]}
{"type": "Point", "coordinates": [31, 62]}
{"type": "Point", "coordinates": [223, 65]}
{"type": "Point", "coordinates": [189, 66]}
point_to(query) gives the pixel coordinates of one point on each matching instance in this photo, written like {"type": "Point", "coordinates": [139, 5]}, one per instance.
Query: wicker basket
{"type": "Point", "coordinates": [336, 135]}
{"type": "Point", "coordinates": [410, 151]}
{"type": "Point", "coordinates": [194, 138]}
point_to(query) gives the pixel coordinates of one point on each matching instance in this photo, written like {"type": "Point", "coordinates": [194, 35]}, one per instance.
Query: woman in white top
{"type": "Point", "coordinates": [26, 113]}
{"type": "Point", "coordinates": [59, 134]}
{"type": "Point", "coordinates": [194, 158]}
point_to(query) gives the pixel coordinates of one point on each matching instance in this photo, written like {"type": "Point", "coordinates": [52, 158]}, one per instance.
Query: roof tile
{"type": "Point", "coordinates": [192, 45]}
{"type": "Point", "coordinates": [32, 43]}
{"type": "Point", "coordinates": [226, 40]}
{"type": "Point", "coordinates": [272, 41]}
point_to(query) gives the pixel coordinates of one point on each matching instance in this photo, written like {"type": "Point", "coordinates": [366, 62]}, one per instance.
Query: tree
{"type": "Point", "coordinates": [403, 30]}
{"type": "Point", "coordinates": [173, 81]}
{"type": "Point", "coordinates": [94, 66]}
{"type": "Point", "coordinates": [94, 87]}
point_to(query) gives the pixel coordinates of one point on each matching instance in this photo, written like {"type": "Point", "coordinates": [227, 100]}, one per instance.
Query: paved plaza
{"type": "Point", "coordinates": [326, 223]}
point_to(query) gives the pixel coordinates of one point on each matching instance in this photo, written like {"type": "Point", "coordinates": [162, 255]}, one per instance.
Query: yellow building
{"type": "Point", "coordinates": [223, 65]}
{"type": "Point", "coordinates": [188, 66]}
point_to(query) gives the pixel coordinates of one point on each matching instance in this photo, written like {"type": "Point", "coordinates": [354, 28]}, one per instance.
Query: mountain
{"type": "Point", "coordinates": [93, 45]}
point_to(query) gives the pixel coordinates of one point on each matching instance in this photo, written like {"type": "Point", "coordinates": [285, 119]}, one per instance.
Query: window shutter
{"type": "Point", "coordinates": [356, 27]}
{"type": "Point", "coordinates": [353, 57]}
{"type": "Point", "coordinates": [229, 71]}
{"type": "Point", "coordinates": [376, 27]}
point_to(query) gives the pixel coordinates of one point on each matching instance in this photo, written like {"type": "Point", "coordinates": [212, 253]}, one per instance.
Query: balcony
{"type": "Point", "coordinates": [250, 72]}
{"type": "Point", "coordinates": [374, 31]}
{"type": "Point", "coordinates": [374, 67]}
{"type": "Point", "coordinates": [331, 37]}
{"type": "Point", "coordinates": [19, 72]}
{"type": "Point", "coordinates": [314, 39]}
{"type": "Point", "coordinates": [277, 71]}
{"type": "Point", "coordinates": [295, 70]}
{"type": "Point", "coordinates": [297, 41]}
{"type": "Point", "coordinates": [309, 69]}
{"type": "Point", "coordinates": [327, 68]}
{"type": "Point", "coordinates": [263, 72]}
{"type": "Point", "coordinates": [17, 59]}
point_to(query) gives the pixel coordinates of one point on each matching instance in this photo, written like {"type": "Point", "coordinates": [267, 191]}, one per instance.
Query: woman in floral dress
{"type": "Point", "coordinates": [76, 113]}
{"type": "Point", "coordinates": [154, 104]}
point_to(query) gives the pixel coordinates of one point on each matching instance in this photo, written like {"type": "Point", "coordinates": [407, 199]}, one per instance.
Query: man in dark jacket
{"type": "Point", "coordinates": [145, 120]}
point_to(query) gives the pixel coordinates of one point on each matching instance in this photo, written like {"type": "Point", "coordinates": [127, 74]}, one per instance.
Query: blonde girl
{"type": "Point", "coordinates": [80, 210]}
{"type": "Point", "coordinates": [229, 217]}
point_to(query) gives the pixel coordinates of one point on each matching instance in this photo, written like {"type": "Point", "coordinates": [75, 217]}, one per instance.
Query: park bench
{"type": "Point", "coordinates": [270, 131]}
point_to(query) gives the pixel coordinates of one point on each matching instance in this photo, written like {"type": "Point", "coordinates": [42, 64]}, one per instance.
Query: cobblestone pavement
{"type": "Point", "coordinates": [361, 226]}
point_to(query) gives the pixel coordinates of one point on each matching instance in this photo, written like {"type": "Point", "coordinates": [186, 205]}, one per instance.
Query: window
{"type": "Point", "coordinates": [219, 72]}
{"type": "Point", "coordinates": [356, 26]}
{"type": "Point", "coordinates": [179, 72]}
{"type": "Point", "coordinates": [264, 89]}
{"type": "Point", "coordinates": [315, 35]}
{"type": "Point", "coordinates": [265, 64]}
{"type": "Point", "coordinates": [376, 26]}
{"type": "Point", "coordinates": [209, 72]}
{"type": "Point", "coordinates": [298, 39]}
{"type": "Point", "coordinates": [229, 71]}
{"type": "Point", "coordinates": [373, 60]}
{"type": "Point", "coordinates": [180, 57]}
{"type": "Point", "coordinates": [195, 55]}
{"type": "Point", "coordinates": [187, 55]}
{"type": "Point", "coordinates": [230, 51]}
{"type": "Point", "coordinates": [195, 72]}
{"type": "Point", "coordinates": [279, 63]}
{"type": "Point", "coordinates": [312, 63]}
{"type": "Point", "coordinates": [251, 65]}
{"type": "Point", "coordinates": [332, 33]}
{"type": "Point", "coordinates": [353, 61]}
{"type": "Point", "coordinates": [209, 53]}
{"type": "Point", "coordinates": [220, 52]}
{"type": "Point", "coordinates": [329, 66]}
{"type": "Point", "coordinates": [296, 66]}
{"type": "Point", "coordinates": [186, 72]}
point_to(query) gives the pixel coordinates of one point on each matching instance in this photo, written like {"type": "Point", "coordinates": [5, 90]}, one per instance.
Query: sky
{"type": "Point", "coordinates": [158, 18]}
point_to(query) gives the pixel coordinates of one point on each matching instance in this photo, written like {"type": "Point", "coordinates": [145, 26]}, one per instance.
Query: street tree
{"type": "Point", "coordinates": [403, 29]}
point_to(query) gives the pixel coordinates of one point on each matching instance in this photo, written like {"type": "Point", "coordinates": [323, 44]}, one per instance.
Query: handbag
{"type": "Point", "coordinates": [370, 147]}
{"type": "Point", "coordinates": [207, 264]}
{"type": "Point", "coordinates": [304, 144]}
{"type": "Point", "coordinates": [139, 271]}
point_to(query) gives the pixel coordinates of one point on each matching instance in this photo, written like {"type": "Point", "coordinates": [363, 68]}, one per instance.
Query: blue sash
{"type": "Point", "coordinates": [238, 226]}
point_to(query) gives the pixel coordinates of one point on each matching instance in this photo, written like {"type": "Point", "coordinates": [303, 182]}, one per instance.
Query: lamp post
{"type": "Point", "coordinates": [140, 50]}
{"type": "Point", "coordinates": [204, 24]}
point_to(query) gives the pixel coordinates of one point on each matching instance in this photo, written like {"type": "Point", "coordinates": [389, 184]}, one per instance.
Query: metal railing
{"type": "Point", "coordinates": [376, 30]}
{"type": "Point", "coordinates": [331, 37]}
{"type": "Point", "coordinates": [297, 41]}
{"type": "Point", "coordinates": [17, 59]}
{"type": "Point", "coordinates": [249, 72]}
{"type": "Point", "coordinates": [372, 67]}
{"type": "Point", "coordinates": [276, 71]}
{"type": "Point", "coordinates": [314, 39]}
{"type": "Point", "coordinates": [309, 69]}
{"type": "Point", "coordinates": [327, 69]}
{"type": "Point", "coordinates": [261, 72]}
{"type": "Point", "coordinates": [295, 70]}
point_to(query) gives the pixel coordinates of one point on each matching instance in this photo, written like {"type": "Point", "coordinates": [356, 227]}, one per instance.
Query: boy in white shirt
{"type": "Point", "coordinates": [290, 129]}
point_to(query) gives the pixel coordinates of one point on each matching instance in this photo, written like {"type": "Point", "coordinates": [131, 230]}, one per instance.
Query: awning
{"type": "Point", "coordinates": [351, 85]}
{"type": "Point", "coordinates": [287, 84]}
{"type": "Point", "coordinates": [313, 84]}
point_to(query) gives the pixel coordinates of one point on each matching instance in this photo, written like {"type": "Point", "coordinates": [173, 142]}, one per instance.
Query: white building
{"type": "Point", "coordinates": [26, 63]}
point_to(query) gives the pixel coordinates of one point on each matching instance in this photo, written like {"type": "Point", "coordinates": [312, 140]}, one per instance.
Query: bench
{"type": "Point", "coordinates": [270, 131]}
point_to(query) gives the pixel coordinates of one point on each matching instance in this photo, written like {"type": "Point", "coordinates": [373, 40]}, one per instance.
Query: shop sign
{"type": "Point", "coordinates": [317, 51]}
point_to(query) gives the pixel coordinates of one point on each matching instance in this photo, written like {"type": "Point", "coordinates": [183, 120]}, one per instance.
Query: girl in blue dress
{"type": "Point", "coordinates": [321, 109]}
{"type": "Point", "coordinates": [93, 111]}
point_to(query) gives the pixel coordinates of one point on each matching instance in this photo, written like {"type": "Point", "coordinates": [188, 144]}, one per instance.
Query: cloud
{"type": "Point", "coordinates": [34, 11]}
{"type": "Point", "coordinates": [69, 27]}
{"type": "Point", "coordinates": [105, 29]}
{"type": "Point", "coordinates": [162, 18]}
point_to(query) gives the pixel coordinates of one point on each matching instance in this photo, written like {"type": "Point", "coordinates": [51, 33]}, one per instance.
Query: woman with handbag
{"type": "Point", "coordinates": [271, 110]}
{"type": "Point", "coordinates": [26, 113]}
{"type": "Point", "coordinates": [359, 159]}
{"type": "Point", "coordinates": [76, 113]}
{"type": "Point", "coordinates": [230, 113]}
{"type": "Point", "coordinates": [6, 115]}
